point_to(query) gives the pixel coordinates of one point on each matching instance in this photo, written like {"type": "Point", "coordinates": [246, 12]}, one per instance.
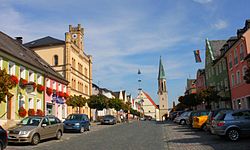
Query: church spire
{"type": "Point", "coordinates": [161, 74]}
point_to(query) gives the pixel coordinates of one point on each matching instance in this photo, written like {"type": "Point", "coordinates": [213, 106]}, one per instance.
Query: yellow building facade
{"type": "Point", "coordinates": [68, 58]}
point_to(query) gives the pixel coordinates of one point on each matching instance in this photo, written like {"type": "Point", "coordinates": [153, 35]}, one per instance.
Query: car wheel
{"type": "Point", "coordinates": [58, 135]}
{"type": "Point", "coordinates": [204, 127]}
{"type": "Point", "coordinates": [88, 128]}
{"type": "Point", "coordinates": [35, 139]}
{"type": "Point", "coordinates": [82, 130]}
{"type": "Point", "coordinates": [233, 134]}
{"type": "Point", "coordinates": [182, 122]}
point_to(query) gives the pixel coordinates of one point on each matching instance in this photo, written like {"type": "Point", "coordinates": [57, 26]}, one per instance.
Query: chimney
{"type": "Point", "coordinates": [19, 40]}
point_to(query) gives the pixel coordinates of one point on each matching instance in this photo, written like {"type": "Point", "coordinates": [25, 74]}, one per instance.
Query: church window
{"type": "Point", "coordinates": [163, 99]}
{"type": "Point", "coordinates": [149, 111]}
{"type": "Point", "coordinates": [162, 105]}
{"type": "Point", "coordinates": [55, 60]}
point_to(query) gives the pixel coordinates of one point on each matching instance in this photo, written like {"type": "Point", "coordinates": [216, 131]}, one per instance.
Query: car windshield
{"type": "Point", "coordinates": [31, 121]}
{"type": "Point", "coordinates": [109, 117]}
{"type": "Point", "coordinates": [74, 117]}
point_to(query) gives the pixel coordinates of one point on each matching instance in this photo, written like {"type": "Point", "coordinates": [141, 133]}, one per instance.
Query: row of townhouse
{"type": "Point", "coordinates": [225, 68]}
{"type": "Point", "coordinates": [48, 71]}
{"type": "Point", "coordinates": [31, 73]}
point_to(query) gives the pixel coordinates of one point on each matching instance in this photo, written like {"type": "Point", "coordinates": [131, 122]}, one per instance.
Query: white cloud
{"type": "Point", "coordinates": [203, 1]}
{"type": "Point", "coordinates": [220, 24]}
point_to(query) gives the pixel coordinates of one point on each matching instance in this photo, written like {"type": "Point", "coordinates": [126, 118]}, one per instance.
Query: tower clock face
{"type": "Point", "coordinates": [74, 36]}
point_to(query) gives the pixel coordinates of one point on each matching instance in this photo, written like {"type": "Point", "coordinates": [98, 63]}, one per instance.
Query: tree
{"type": "Point", "coordinates": [98, 102]}
{"type": "Point", "coordinates": [209, 95]}
{"type": "Point", "coordinates": [5, 85]}
{"type": "Point", "coordinates": [115, 103]}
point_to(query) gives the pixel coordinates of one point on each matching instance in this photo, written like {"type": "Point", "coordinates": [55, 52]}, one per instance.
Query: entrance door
{"type": "Point", "coordinates": [9, 108]}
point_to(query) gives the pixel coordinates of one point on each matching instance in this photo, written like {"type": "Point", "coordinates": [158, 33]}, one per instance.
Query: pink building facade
{"type": "Point", "coordinates": [200, 85]}
{"type": "Point", "coordinates": [237, 66]}
{"type": "Point", "coordinates": [55, 98]}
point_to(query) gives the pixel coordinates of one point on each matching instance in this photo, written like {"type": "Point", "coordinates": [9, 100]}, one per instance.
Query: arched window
{"type": "Point", "coordinates": [55, 60]}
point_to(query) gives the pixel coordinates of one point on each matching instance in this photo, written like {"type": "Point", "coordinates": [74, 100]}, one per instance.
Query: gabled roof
{"type": "Point", "coordinates": [214, 47]}
{"type": "Point", "coordinates": [150, 99]}
{"type": "Point", "coordinates": [17, 50]}
{"type": "Point", "coordinates": [46, 41]}
{"type": "Point", "coordinates": [161, 74]}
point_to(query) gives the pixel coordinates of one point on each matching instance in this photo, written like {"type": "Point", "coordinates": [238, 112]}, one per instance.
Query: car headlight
{"type": "Point", "coordinates": [77, 124]}
{"type": "Point", "coordinates": [23, 132]}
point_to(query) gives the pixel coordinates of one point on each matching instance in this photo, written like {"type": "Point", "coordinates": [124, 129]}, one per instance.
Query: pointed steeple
{"type": "Point", "coordinates": [161, 74]}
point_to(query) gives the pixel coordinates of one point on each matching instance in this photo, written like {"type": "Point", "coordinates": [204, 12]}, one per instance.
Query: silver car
{"type": "Point", "coordinates": [35, 128]}
{"type": "Point", "coordinates": [231, 124]}
{"type": "Point", "coordinates": [182, 119]}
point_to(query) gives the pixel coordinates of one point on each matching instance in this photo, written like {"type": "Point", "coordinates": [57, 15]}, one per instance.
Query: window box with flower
{"type": "Point", "coordinates": [14, 79]}
{"type": "Point", "coordinates": [40, 88]}
{"type": "Point", "coordinates": [39, 112]}
{"type": "Point", "coordinates": [22, 112]}
{"type": "Point", "coordinates": [23, 83]}
{"type": "Point", "coordinates": [49, 91]}
{"type": "Point", "coordinates": [31, 112]}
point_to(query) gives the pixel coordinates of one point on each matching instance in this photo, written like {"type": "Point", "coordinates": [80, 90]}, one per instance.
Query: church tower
{"type": "Point", "coordinates": [162, 93]}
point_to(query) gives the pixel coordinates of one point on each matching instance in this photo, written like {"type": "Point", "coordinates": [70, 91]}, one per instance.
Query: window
{"type": "Point", "coordinates": [55, 60]}
{"type": "Point", "coordinates": [213, 70]}
{"type": "Point", "coordinates": [54, 85]}
{"type": "Point", "coordinates": [64, 89]}
{"type": "Point", "coordinates": [21, 101]}
{"type": "Point", "coordinates": [230, 62]}
{"type": "Point", "coordinates": [12, 68]}
{"type": "Point", "coordinates": [86, 71]}
{"type": "Point", "coordinates": [235, 57]}
{"type": "Point", "coordinates": [244, 69]}
{"type": "Point", "coordinates": [1, 63]}
{"type": "Point", "coordinates": [48, 83]}
{"type": "Point", "coordinates": [238, 77]}
{"type": "Point", "coordinates": [248, 101]}
{"type": "Point", "coordinates": [238, 104]}
{"type": "Point", "coordinates": [60, 87]}
{"type": "Point", "coordinates": [31, 76]}
{"type": "Point", "coordinates": [221, 85]}
{"type": "Point", "coordinates": [39, 104]}
{"type": "Point", "coordinates": [224, 64]}
{"type": "Point", "coordinates": [241, 52]}
{"type": "Point", "coordinates": [31, 103]}
{"type": "Point", "coordinates": [73, 63]}
{"type": "Point", "coordinates": [39, 79]}
{"type": "Point", "coordinates": [226, 84]}
{"type": "Point", "coordinates": [22, 72]}
{"type": "Point", "coordinates": [86, 89]}
{"type": "Point", "coordinates": [220, 67]}
{"type": "Point", "coordinates": [232, 80]}
{"type": "Point", "coordinates": [80, 68]}
{"type": "Point", "coordinates": [209, 72]}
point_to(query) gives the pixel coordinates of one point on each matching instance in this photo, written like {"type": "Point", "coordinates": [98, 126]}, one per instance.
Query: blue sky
{"type": "Point", "coordinates": [124, 35]}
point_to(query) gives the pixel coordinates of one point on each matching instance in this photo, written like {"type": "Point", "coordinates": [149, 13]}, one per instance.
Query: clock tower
{"type": "Point", "coordinates": [162, 93]}
{"type": "Point", "coordinates": [76, 35]}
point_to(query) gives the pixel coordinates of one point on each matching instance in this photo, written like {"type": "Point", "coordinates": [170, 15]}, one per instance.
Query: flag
{"type": "Point", "coordinates": [197, 56]}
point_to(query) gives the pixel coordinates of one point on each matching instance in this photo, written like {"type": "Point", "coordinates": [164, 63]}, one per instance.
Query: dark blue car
{"type": "Point", "coordinates": [77, 122]}
{"type": "Point", "coordinates": [3, 138]}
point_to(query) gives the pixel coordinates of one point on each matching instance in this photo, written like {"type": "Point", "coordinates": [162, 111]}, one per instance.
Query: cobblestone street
{"type": "Point", "coordinates": [183, 138]}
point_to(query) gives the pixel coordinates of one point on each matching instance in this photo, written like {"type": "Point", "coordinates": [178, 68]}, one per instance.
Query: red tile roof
{"type": "Point", "coordinates": [150, 99]}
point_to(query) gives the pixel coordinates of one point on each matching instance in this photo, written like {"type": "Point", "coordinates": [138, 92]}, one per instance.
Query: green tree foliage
{"type": "Point", "coordinates": [209, 95]}
{"type": "Point", "coordinates": [126, 106]}
{"type": "Point", "coordinates": [115, 103]}
{"type": "Point", "coordinates": [76, 101]}
{"type": "Point", "coordinates": [5, 85]}
{"type": "Point", "coordinates": [98, 102]}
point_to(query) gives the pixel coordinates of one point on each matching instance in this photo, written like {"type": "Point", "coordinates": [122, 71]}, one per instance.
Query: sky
{"type": "Point", "coordinates": [126, 35]}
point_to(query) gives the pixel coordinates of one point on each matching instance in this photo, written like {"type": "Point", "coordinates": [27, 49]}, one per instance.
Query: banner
{"type": "Point", "coordinates": [197, 56]}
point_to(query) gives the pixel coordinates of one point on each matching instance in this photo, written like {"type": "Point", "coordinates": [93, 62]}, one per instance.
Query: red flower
{"type": "Point", "coordinates": [31, 112]}
{"type": "Point", "coordinates": [39, 112]}
{"type": "Point", "coordinates": [14, 79]}
{"type": "Point", "coordinates": [49, 91]}
{"type": "Point", "coordinates": [23, 82]}
{"type": "Point", "coordinates": [22, 112]}
{"type": "Point", "coordinates": [66, 95]}
{"type": "Point", "coordinates": [61, 94]}
{"type": "Point", "coordinates": [40, 88]}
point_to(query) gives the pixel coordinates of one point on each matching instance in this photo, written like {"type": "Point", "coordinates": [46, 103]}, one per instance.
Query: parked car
{"type": "Point", "coordinates": [32, 129]}
{"type": "Point", "coordinates": [211, 116]}
{"type": "Point", "coordinates": [175, 114]}
{"type": "Point", "coordinates": [3, 138]}
{"type": "Point", "coordinates": [77, 122]}
{"type": "Point", "coordinates": [190, 120]}
{"type": "Point", "coordinates": [182, 119]}
{"type": "Point", "coordinates": [231, 124]}
{"type": "Point", "coordinates": [108, 119]}
{"type": "Point", "coordinates": [199, 121]}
